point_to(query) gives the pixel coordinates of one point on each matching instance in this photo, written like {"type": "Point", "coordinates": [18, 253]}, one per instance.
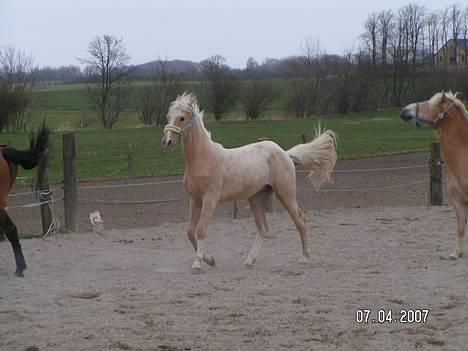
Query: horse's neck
{"type": "Point", "coordinates": [453, 134]}
{"type": "Point", "coordinates": [198, 147]}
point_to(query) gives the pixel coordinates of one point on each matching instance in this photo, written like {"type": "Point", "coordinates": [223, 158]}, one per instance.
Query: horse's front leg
{"type": "Point", "coordinates": [461, 225]}
{"type": "Point", "coordinates": [208, 207]}
{"type": "Point", "coordinates": [194, 218]}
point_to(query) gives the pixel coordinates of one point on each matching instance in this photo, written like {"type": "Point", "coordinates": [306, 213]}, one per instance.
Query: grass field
{"type": "Point", "coordinates": [64, 106]}
{"type": "Point", "coordinates": [102, 153]}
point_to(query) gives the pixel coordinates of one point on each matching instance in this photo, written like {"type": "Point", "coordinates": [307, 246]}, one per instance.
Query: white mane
{"type": "Point", "coordinates": [183, 103]}
{"type": "Point", "coordinates": [436, 100]}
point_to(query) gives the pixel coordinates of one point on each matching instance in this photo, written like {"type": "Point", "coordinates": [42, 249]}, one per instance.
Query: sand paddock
{"type": "Point", "coordinates": [133, 289]}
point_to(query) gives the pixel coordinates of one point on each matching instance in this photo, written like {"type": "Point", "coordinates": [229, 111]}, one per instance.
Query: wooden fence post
{"type": "Point", "coordinates": [45, 193]}
{"type": "Point", "coordinates": [70, 187]}
{"type": "Point", "coordinates": [130, 160]}
{"type": "Point", "coordinates": [435, 187]}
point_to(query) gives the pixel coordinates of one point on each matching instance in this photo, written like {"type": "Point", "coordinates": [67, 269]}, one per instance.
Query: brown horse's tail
{"type": "Point", "coordinates": [319, 156]}
{"type": "Point", "coordinates": [29, 159]}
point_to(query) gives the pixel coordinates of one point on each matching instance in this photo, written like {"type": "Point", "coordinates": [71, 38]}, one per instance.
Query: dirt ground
{"type": "Point", "coordinates": [132, 289]}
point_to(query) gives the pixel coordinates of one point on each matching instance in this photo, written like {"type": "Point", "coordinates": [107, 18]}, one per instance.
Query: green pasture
{"type": "Point", "coordinates": [102, 154]}
{"type": "Point", "coordinates": [64, 106]}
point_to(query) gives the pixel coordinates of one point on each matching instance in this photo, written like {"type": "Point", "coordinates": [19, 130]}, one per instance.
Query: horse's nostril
{"type": "Point", "coordinates": [406, 115]}
{"type": "Point", "coordinates": [169, 142]}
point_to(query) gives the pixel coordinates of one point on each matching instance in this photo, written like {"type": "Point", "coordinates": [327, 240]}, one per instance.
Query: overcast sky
{"type": "Point", "coordinates": [56, 32]}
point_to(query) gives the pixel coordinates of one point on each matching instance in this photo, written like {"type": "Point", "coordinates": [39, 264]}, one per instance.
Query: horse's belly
{"type": "Point", "coordinates": [236, 195]}
{"type": "Point", "coordinates": [242, 183]}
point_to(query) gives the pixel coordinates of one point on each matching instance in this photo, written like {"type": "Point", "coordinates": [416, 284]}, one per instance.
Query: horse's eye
{"type": "Point", "coordinates": [182, 119]}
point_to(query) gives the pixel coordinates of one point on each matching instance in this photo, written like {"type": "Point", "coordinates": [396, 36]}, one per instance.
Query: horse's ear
{"type": "Point", "coordinates": [178, 97]}
{"type": "Point", "coordinates": [444, 97]}
{"type": "Point", "coordinates": [193, 101]}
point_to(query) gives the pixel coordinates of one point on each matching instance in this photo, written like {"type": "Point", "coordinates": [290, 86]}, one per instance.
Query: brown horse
{"type": "Point", "coordinates": [449, 117]}
{"type": "Point", "coordinates": [10, 158]}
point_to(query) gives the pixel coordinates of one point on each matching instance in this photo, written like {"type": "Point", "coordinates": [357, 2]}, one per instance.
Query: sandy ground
{"type": "Point", "coordinates": [133, 289]}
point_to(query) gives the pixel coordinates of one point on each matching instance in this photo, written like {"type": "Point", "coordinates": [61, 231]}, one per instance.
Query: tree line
{"type": "Point", "coordinates": [402, 56]}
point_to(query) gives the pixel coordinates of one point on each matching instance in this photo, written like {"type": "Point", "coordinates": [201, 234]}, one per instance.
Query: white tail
{"type": "Point", "coordinates": [319, 156]}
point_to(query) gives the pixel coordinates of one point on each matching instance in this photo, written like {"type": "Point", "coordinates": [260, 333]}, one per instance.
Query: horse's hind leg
{"type": "Point", "coordinates": [287, 195]}
{"type": "Point", "coordinates": [258, 206]}
{"type": "Point", "coordinates": [11, 233]}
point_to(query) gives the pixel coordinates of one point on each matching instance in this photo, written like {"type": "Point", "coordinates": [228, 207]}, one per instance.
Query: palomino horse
{"type": "Point", "coordinates": [214, 174]}
{"type": "Point", "coordinates": [448, 116]}
{"type": "Point", "coordinates": [10, 158]}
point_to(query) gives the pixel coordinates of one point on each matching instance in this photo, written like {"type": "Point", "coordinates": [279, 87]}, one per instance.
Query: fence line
{"type": "Point", "coordinates": [370, 169]}
{"type": "Point", "coordinates": [126, 202]}
{"type": "Point", "coordinates": [125, 166]}
{"type": "Point", "coordinates": [369, 189]}
{"type": "Point", "coordinates": [33, 204]}
{"type": "Point", "coordinates": [34, 192]}
{"type": "Point", "coordinates": [129, 185]}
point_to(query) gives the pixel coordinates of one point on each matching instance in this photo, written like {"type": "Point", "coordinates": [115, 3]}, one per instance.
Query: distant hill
{"type": "Point", "coordinates": [186, 69]}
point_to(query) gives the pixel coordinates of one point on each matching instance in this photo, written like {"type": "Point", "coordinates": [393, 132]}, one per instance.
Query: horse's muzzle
{"type": "Point", "coordinates": [168, 142]}
{"type": "Point", "coordinates": [406, 115]}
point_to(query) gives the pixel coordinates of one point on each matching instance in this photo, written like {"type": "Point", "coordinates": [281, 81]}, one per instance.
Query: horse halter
{"type": "Point", "coordinates": [435, 121]}
{"type": "Point", "coordinates": [178, 130]}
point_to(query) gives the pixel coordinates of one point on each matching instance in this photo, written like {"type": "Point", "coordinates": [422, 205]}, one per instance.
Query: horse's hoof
{"type": "Point", "coordinates": [210, 260]}
{"type": "Point", "coordinates": [19, 274]}
{"type": "Point", "coordinates": [455, 256]}
{"type": "Point", "coordinates": [304, 259]}
{"type": "Point", "coordinates": [249, 262]}
{"type": "Point", "coordinates": [196, 267]}
{"type": "Point", "coordinates": [196, 270]}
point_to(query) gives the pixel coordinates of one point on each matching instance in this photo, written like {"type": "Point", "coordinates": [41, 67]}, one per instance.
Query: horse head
{"type": "Point", "coordinates": [182, 113]}
{"type": "Point", "coordinates": [431, 111]}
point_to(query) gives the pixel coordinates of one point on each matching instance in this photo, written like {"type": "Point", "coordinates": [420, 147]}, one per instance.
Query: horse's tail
{"type": "Point", "coordinates": [319, 156]}
{"type": "Point", "coordinates": [28, 159]}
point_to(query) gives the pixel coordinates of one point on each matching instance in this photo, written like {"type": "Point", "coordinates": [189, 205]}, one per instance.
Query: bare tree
{"type": "Point", "coordinates": [371, 26]}
{"type": "Point", "coordinates": [17, 79]}
{"type": "Point", "coordinates": [384, 26]}
{"type": "Point", "coordinates": [222, 86]}
{"type": "Point", "coordinates": [108, 87]}
{"type": "Point", "coordinates": [456, 16]}
{"type": "Point", "coordinates": [399, 44]}
{"type": "Point", "coordinates": [306, 73]}
{"type": "Point", "coordinates": [444, 32]}
{"type": "Point", "coordinates": [416, 15]}
{"type": "Point", "coordinates": [465, 34]}
{"type": "Point", "coordinates": [433, 28]}
{"type": "Point", "coordinates": [255, 96]}
{"type": "Point", "coordinates": [153, 100]}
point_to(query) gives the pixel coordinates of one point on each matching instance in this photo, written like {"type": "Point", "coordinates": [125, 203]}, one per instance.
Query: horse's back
{"type": "Point", "coordinates": [264, 152]}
